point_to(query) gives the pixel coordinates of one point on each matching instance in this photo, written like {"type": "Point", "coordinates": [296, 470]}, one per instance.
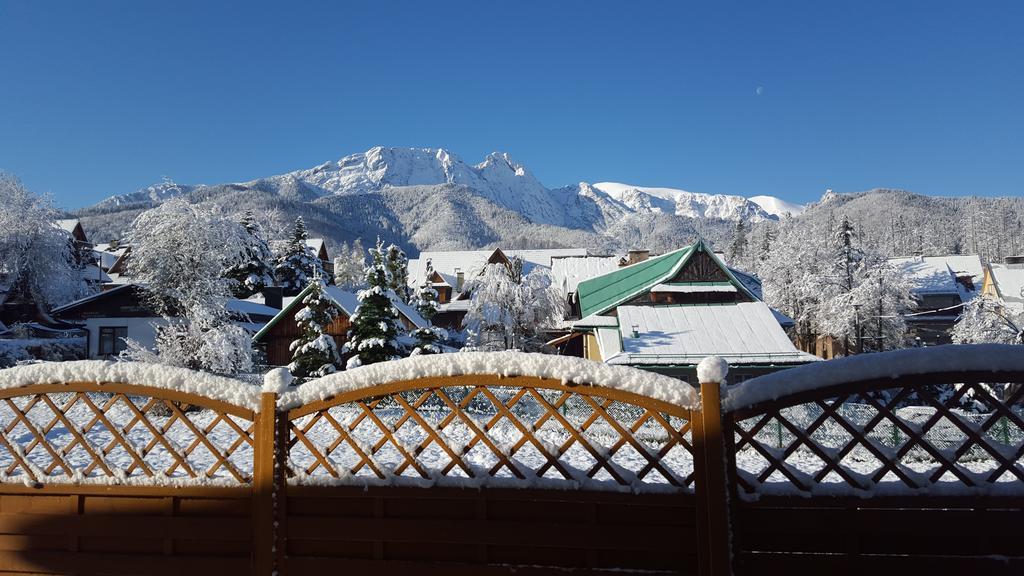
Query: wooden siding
{"type": "Point", "coordinates": [357, 530]}
{"type": "Point", "coordinates": [281, 335]}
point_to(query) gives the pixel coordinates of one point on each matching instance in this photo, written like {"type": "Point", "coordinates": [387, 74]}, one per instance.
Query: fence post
{"type": "Point", "coordinates": [264, 454]}
{"type": "Point", "coordinates": [715, 554]}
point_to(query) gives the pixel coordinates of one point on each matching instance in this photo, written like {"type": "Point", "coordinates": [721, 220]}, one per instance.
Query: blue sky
{"type": "Point", "coordinates": [100, 98]}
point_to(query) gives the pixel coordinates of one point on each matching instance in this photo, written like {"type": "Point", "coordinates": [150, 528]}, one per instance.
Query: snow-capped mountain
{"type": "Point", "coordinates": [683, 203]}
{"type": "Point", "coordinates": [499, 179]}
{"type": "Point", "coordinates": [777, 207]}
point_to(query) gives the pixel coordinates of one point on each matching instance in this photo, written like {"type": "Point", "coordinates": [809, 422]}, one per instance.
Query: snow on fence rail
{"type": "Point", "coordinates": [492, 419]}
{"type": "Point", "coordinates": [947, 420]}
{"type": "Point", "coordinates": [96, 422]}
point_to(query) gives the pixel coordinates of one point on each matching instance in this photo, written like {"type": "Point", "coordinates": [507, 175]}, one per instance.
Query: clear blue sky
{"type": "Point", "coordinates": [100, 98]}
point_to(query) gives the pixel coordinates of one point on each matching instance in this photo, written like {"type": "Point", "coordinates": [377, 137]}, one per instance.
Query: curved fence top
{"type": "Point", "coordinates": [175, 379]}
{"type": "Point", "coordinates": [948, 359]}
{"type": "Point", "coordinates": [568, 370]}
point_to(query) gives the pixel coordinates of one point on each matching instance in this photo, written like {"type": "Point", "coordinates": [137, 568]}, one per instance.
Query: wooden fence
{"type": "Point", "coordinates": [484, 474]}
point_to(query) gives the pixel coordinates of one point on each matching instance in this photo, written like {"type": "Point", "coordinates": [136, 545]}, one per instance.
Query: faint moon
{"type": "Point", "coordinates": [759, 90]}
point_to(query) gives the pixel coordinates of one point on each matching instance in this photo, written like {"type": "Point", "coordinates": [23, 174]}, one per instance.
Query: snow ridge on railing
{"type": "Point", "coordinates": [568, 370]}
{"type": "Point", "coordinates": [864, 367]}
{"type": "Point", "coordinates": [182, 380]}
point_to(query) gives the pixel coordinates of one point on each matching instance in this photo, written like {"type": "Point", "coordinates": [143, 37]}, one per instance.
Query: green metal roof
{"type": "Point", "coordinates": [599, 294]}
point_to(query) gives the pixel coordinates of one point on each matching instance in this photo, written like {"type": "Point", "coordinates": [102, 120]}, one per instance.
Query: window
{"type": "Point", "coordinates": [112, 340]}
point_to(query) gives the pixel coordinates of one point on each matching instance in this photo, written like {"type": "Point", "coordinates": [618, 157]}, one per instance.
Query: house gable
{"type": "Point", "coordinates": [691, 275]}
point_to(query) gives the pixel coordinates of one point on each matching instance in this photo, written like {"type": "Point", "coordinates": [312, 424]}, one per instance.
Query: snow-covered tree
{"type": "Point", "coordinates": [254, 271]}
{"type": "Point", "coordinates": [738, 248]}
{"type": "Point", "coordinates": [178, 253]}
{"type": "Point", "coordinates": [222, 348]}
{"type": "Point", "coordinates": [315, 353]}
{"type": "Point", "coordinates": [296, 262]}
{"type": "Point", "coordinates": [37, 258]}
{"type": "Point", "coordinates": [426, 301]}
{"type": "Point", "coordinates": [398, 272]}
{"type": "Point", "coordinates": [374, 332]}
{"type": "Point", "coordinates": [986, 321]}
{"type": "Point", "coordinates": [820, 275]}
{"type": "Point", "coordinates": [510, 310]}
{"type": "Point", "coordinates": [350, 266]}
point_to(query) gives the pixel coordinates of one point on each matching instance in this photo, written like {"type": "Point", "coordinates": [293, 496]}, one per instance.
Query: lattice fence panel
{"type": "Point", "coordinates": [65, 437]}
{"type": "Point", "coordinates": [493, 435]}
{"type": "Point", "coordinates": [943, 439]}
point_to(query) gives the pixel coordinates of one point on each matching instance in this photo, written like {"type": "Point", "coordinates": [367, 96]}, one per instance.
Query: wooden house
{"type": "Point", "coordinates": [666, 314]}
{"type": "Point", "coordinates": [1004, 283]}
{"type": "Point", "coordinates": [940, 287]}
{"type": "Point", "coordinates": [112, 316]}
{"type": "Point", "coordinates": [276, 336]}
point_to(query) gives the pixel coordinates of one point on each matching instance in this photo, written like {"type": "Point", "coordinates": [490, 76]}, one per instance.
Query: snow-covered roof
{"type": "Point", "coordinates": [938, 274]}
{"type": "Point", "coordinates": [347, 301]}
{"type": "Point", "coordinates": [876, 366]}
{"type": "Point", "coordinates": [471, 262]}
{"type": "Point", "coordinates": [94, 273]}
{"type": "Point", "coordinates": [568, 272]}
{"type": "Point", "coordinates": [68, 224]}
{"type": "Point", "coordinates": [143, 374]}
{"type": "Point", "coordinates": [742, 333]}
{"type": "Point", "coordinates": [107, 256]}
{"type": "Point", "coordinates": [1009, 284]}
{"type": "Point", "coordinates": [317, 244]}
{"type": "Point", "coordinates": [250, 308]}
{"type": "Point", "coordinates": [564, 368]}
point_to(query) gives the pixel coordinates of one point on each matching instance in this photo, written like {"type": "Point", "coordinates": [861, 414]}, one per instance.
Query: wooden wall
{"type": "Point", "coordinates": [120, 530]}
{"type": "Point", "coordinates": [282, 334]}
{"type": "Point", "coordinates": [454, 531]}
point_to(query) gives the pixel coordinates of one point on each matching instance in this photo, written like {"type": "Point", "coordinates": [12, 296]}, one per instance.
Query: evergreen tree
{"type": "Point", "coordinates": [297, 264]}
{"type": "Point", "coordinates": [315, 353]}
{"type": "Point", "coordinates": [252, 272]}
{"type": "Point", "coordinates": [398, 272]}
{"type": "Point", "coordinates": [374, 330]}
{"type": "Point", "coordinates": [427, 306]}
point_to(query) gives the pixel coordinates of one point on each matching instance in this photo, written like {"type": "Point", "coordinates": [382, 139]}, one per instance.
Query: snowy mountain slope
{"type": "Point", "coordinates": [683, 203]}
{"type": "Point", "coordinates": [776, 206]}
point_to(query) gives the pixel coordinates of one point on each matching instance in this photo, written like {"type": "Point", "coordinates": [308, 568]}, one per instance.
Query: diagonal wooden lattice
{"type": "Point", "coordinates": [71, 432]}
{"type": "Point", "coordinates": [941, 442]}
{"type": "Point", "coordinates": [530, 430]}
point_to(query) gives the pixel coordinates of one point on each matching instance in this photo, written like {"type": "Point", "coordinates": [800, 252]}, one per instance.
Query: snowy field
{"type": "Point", "coordinates": [395, 436]}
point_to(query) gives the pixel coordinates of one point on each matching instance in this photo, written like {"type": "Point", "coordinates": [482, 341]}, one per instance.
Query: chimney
{"type": "Point", "coordinates": [637, 256]}
{"type": "Point", "coordinates": [273, 297]}
{"type": "Point", "coordinates": [460, 279]}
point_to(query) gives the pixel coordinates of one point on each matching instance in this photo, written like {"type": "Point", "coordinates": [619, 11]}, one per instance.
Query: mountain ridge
{"type": "Point", "coordinates": [498, 178]}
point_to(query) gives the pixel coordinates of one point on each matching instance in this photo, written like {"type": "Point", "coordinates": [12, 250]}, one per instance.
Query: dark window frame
{"type": "Point", "coordinates": [111, 340]}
